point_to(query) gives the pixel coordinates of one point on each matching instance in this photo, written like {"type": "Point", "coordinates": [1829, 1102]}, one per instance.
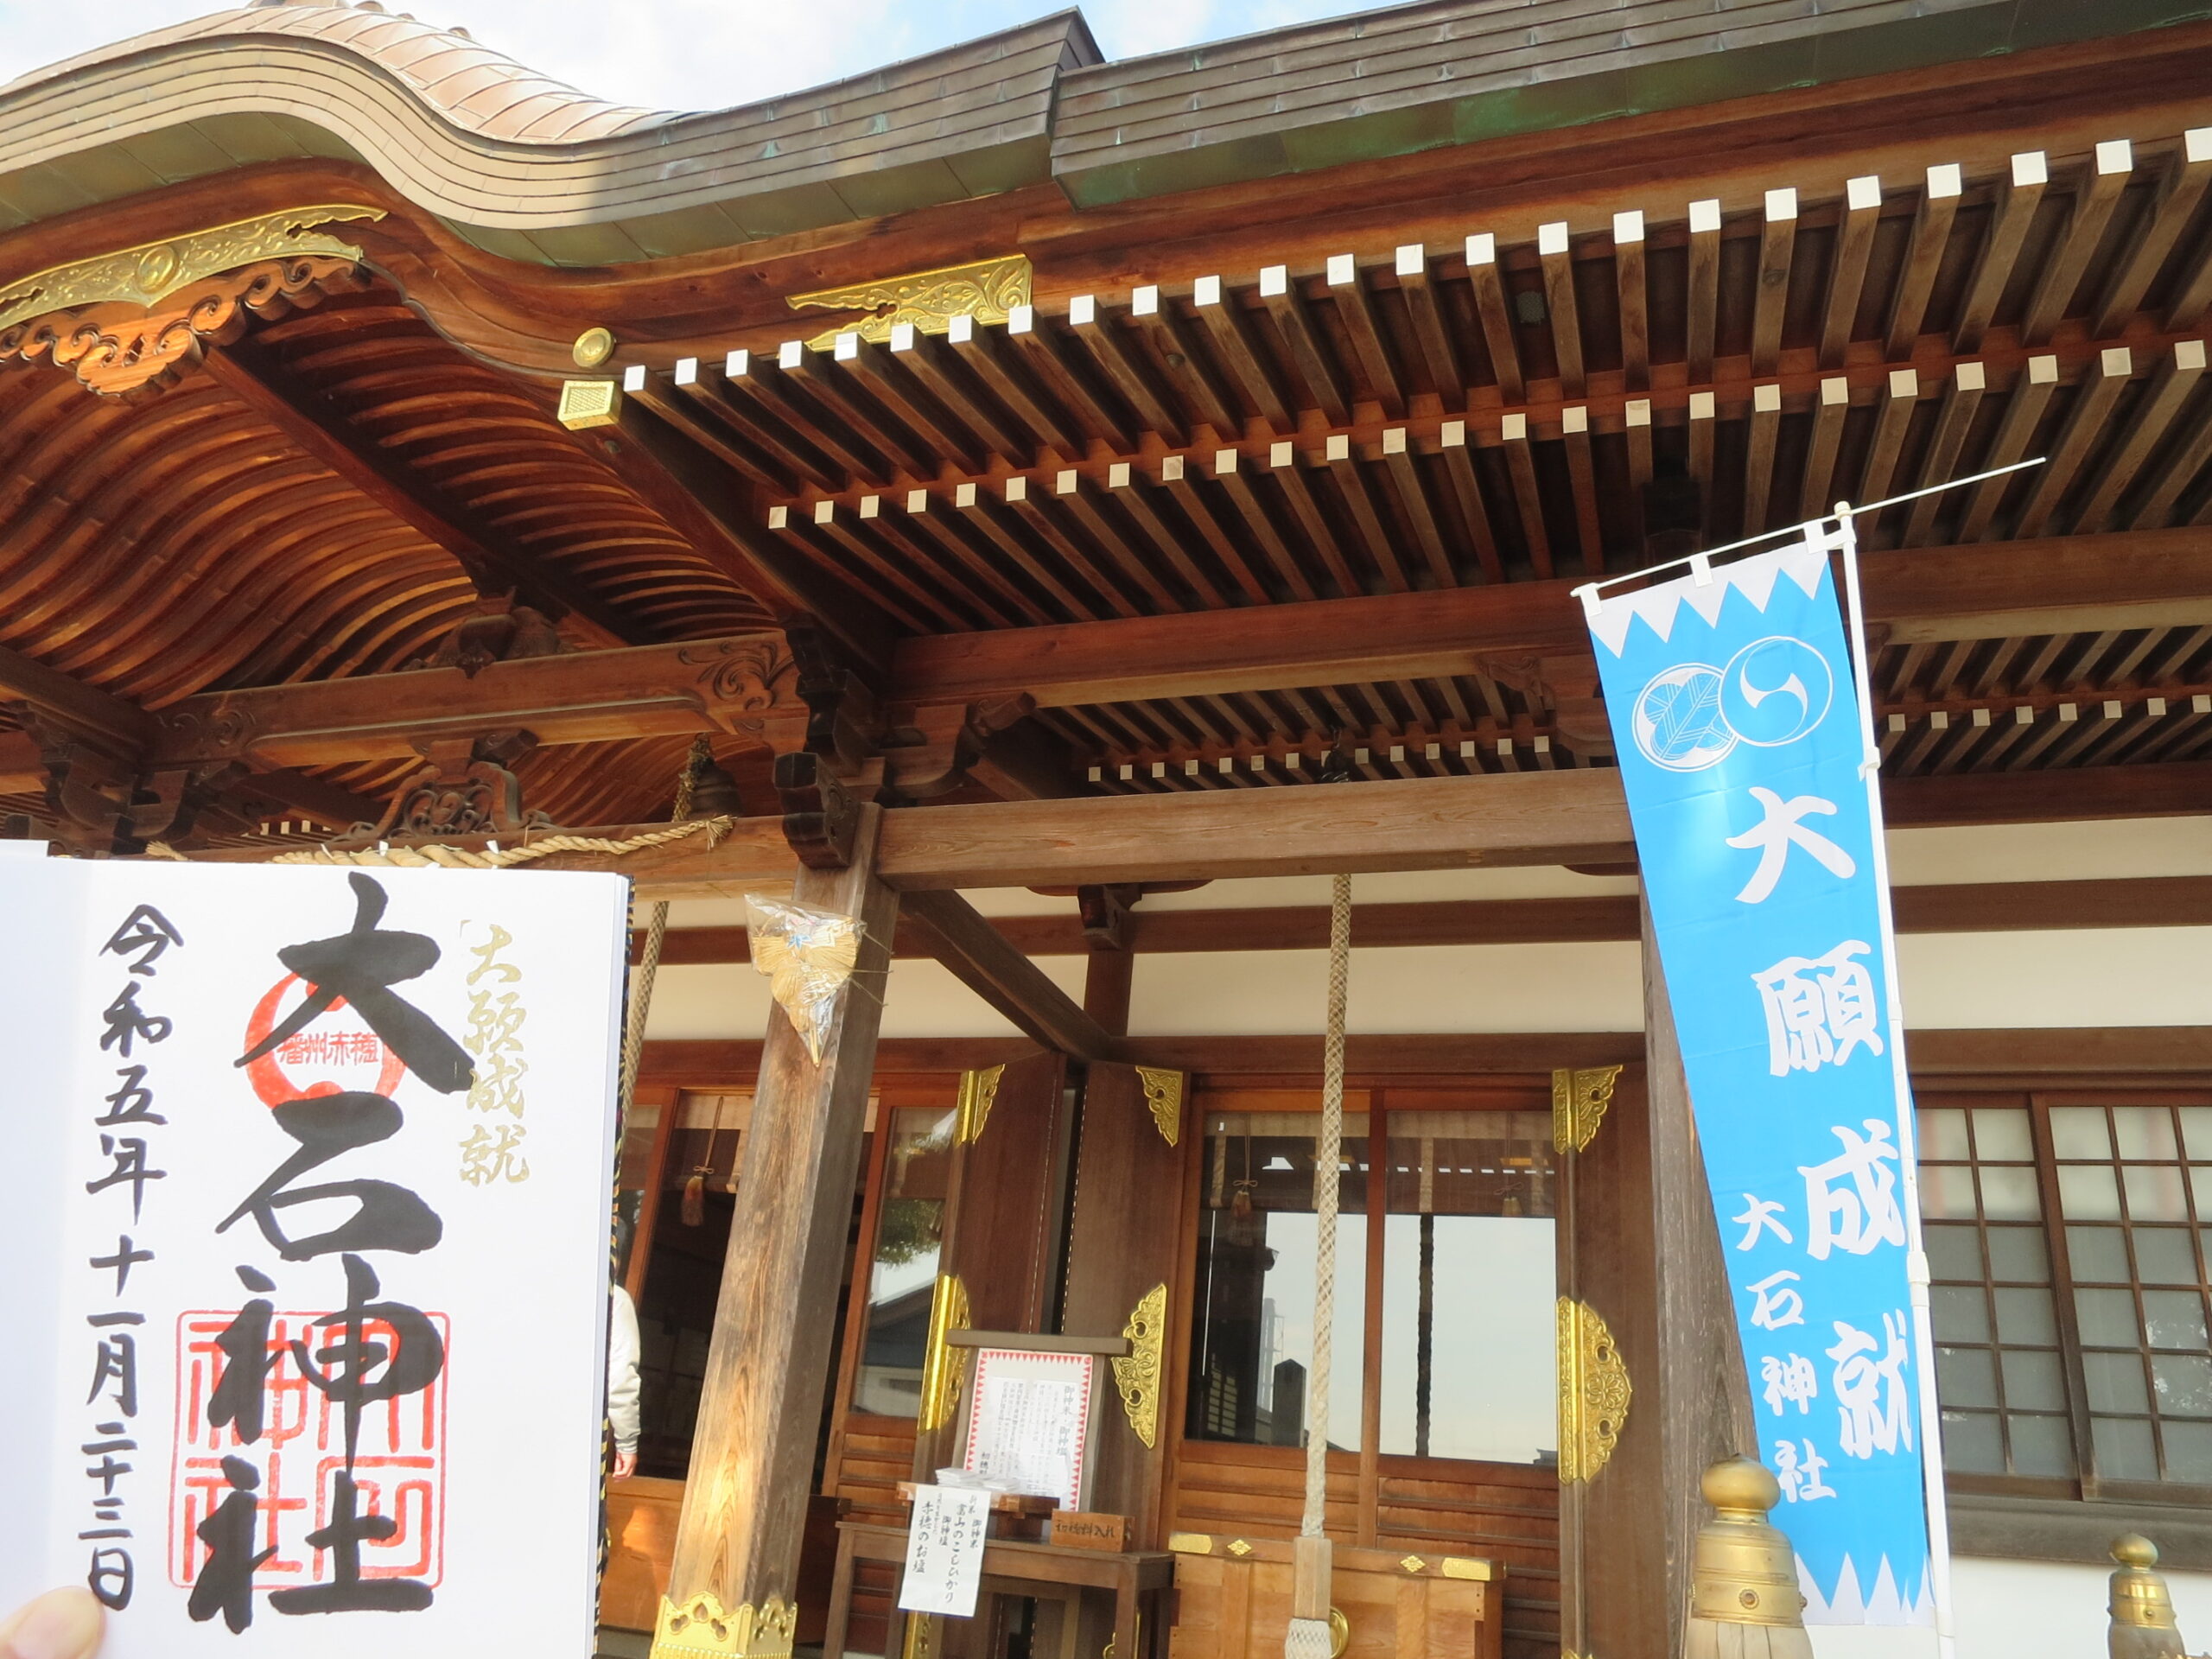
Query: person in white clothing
{"type": "Point", "coordinates": [622, 1382]}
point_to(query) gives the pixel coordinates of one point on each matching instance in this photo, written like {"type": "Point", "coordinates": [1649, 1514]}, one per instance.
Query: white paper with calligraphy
{"type": "Point", "coordinates": [304, 1261]}
{"type": "Point", "coordinates": [1029, 1420]}
{"type": "Point", "coordinates": [945, 1551]}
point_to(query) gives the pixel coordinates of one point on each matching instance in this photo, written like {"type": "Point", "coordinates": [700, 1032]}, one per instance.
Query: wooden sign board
{"type": "Point", "coordinates": [1090, 1529]}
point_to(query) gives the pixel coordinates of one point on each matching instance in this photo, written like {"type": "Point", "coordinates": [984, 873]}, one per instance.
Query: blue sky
{"type": "Point", "coordinates": [698, 54]}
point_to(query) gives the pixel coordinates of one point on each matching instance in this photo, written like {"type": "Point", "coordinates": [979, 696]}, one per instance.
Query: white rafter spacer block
{"type": "Point", "coordinates": [686, 370]}
{"type": "Point", "coordinates": [1359, 757]}
{"type": "Point", "coordinates": [1128, 773]}
{"type": "Point", "coordinates": [1160, 768]}
{"type": "Point", "coordinates": [1766, 399]}
{"type": "Point", "coordinates": [2188, 354]}
{"type": "Point", "coordinates": [1781, 204]}
{"type": "Point", "coordinates": [1274, 280]}
{"type": "Point", "coordinates": [2112, 709]}
{"type": "Point", "coordinates": [1224, 462]}
{"type": "Point", "coordinates": [1082, 310]}
{"type": "Point", "coordinates": [1412, 260]}
{"type": "Point", "coordinates": [633, 378]}
{"type": "Point", "coordinates": [1551, 239]}
{"type": "Point", "coordinates": [1981, 716]}
{"type": "Point", "coordinates": [1453, 434]}
{"type": "Point", "coordinates": [2115, 155]}
{"type": "Point", "coordinates": [2201, 704]}
{"type": "Point", "coordinates": [1295, 760]}
{"type": "Point", "coordinates": [1145, 301]}
{"type": "Point", "coordinates": [1339, 447]}
{"type": "Point", "coordinates": [2042, 369]}
{"type": "Point", "coordinates": [1098, 774]}
{"type": "Point", "coordinates": [1835, 390]}
{"type": "Point", "coordinates": [1259, 763]}
{"type": "Point", "coordinates": [846, 348]}
{"type": "Point", "coordinates": [1575, 418]}
{"type": "Point", "coordinates": [871, 507]}
{"type": "Point", "coordinates": [1702, 405]}
{"type": "Point", "coordinates": [963, 495]}
{"type": "Point", "coordinates": [2069, 711]}
{"type": "Point", "coordinates": [2156, 707]}
{"type": "Point", "coordinates": [1705, 215]}
{"type": "Point", "coordinates": [1227, 764]}
{"type": "Point", "coordinates": [2031, 166]}
{"type": "Point", "coordinates": [1344, 270]}
{"type": "Point", "coordinates": [1017, 488]}
{"type": "Point", "coordinates": [1504, 746]}
{"type": "Point", "coordinates": [1117, 475]}
{"type": "Point", "coordinates": [904, 337]}
{"type": "Point", "coordinates": [1280, 453]}
{"type": "Point", "coordinates": [1540, 743]}
{"type": "Point", "coordinates": [2196, 145]}
{"type": "Point", "coordinates": [1206, 291]}
{"type": "Point", "coordinates": [824, 511]}
{"type": "Point", "coordinates": [1897, 723]}
{"type": "Point", "coordinates": [737, 365]}
{"type": "Point", "coordinates": [779, 518]}
{"type": "Point", "coordinates": [1189, 768]}
{"type": "Point", "coordinates": [1020, 319]}
{"type": "Point", "coordinates": [1514, 429]}
{"type": "Point", "coordinates": [1481, 248]}
{"type": "Point", "coordinates": [1628, 226]}
{"type": "Point", "coordinates": [1904, 382]}
{"type": "Point", "coordinates": [790, 354]}
{"type": "Point", "coordinates": [1946, 178]}
{"type": "Point", "coordinates": [2025, 715]}
{"type": "Point", "coordinates": [1637, 411]}
{"type": "Point", "coordinates": [918, 500]}
{"type": "Point", "coordinates": [960, 328]}
{"type": "Point", "coordinates": [1171, 469]}
{"type": "Point", "coordinates": [1863, 192]}
{"type": "Point", "coordinates": [1394, 440]}
{"type": "Point", "coordinates": [1971, 376]}
{"type": "Point", "coordinates": [2115, 361]}
{"type": "Point", "coordinates": [1433, 751]}
{"type": "Point", "coordinates": [1066, 481]}
{"type": "Point", "coordinates": [1467, 750]}
{"type": "Point", "coordinates": [1939, 720]}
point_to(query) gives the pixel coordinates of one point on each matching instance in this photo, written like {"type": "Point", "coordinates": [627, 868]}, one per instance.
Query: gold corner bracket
{"type": "Point", "coordinates": [1137, 1373]}
{"type": "Point", "coordinates": [699, 1627]}
{"type": "Point", "coordinates": [979, 1092]}
{"type": "Point", "coordinates": [943, 1365]}
{"type": "Point", "coordinates": [1163, 1094]}
{"type": "Point", "coordinates": [1579, 1102]}
{"type": "Point", "coordinates": [1593, 1393]}
{"type": "Point", "coordinates": [927, 301]}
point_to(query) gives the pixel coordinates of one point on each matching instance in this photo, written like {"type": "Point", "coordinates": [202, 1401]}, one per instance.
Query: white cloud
{"type": "Point", "coordinates": [696, 55]}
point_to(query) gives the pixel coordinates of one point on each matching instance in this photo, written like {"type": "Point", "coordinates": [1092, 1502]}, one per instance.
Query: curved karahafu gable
{"type": "Point", "coordinates": [519, 164]}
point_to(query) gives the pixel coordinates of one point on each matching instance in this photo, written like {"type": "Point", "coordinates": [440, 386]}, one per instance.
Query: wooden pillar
{"type": "Point", "coordinates": [1643, 1267]}
{"type": "Point", "coordinates": [731, 1583]}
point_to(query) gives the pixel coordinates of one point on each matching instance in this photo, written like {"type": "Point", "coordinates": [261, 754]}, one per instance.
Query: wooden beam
{"type": "Point", "coordinates": [85, 708]}
{"type": "Point", "coordinates": [737, 1540]}
{"type": "Point", "coordinates": [307, 420]}
{"type": "Point", "coordinates": [987, 964]}
{"type": "Point", "coordinates": [22, 771]}
{"type": "Point", "coordinates": [1976, 907]}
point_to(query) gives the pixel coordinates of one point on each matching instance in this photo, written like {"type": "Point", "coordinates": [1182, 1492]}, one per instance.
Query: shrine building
{"type": "Point", "coordinates": [1062, 512]}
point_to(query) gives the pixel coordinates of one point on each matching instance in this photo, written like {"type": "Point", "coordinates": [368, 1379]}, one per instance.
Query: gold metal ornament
{"type": "Point", "coordinates": [2143, 1626]}
{"type": "Point", "coordinates": [1190, 1544]}
{"type": "Point", "coordinates": [987, 291]}
{"type": "Point", "coordinates": [1411, 1563]}
{"type": "Point", "coordinates": [1593, 1393]}
{"type": "Point", "coordinates": [1579, 1102]}
{"type": "Point", "coordinates": [942, 1364]}
{"type": "Point", "coordinates": [1238, 1548]}
{"type": "Point", "coordinates": [593, 347]}
{"type": "Point", "coordinates": [1137, 1373]}
{"type": "Point", "coordinates": [1163, 1094]}
{"type": "Point", "coordinates": [153, 271]}
{"type": "Point", "coordinates": [1744, 1603]}
{"type": "Point", "coordinates": [700, 1628]}
{"type": "Point", "coordinates": [979, 1090]}
{"type": "Point", "coordinates": [920, 1640]}
{"type": "Point", "coordinates": [588, 404]}
{"type": "Point", "coordinates": [1477, 1567]}
{"type": "Point", "coordinates": [1340, 1633]}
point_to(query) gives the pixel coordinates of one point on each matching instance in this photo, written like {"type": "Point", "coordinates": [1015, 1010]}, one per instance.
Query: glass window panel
{"type": "Point", "coordinates": [2032, 1381]}
{"type": "Point", "coordinates": [1972, 1443]}
{"type": "Point", "coordinates": [2183, 1384]}
{"type": "Point", "coordinates": [2018, 1253]}
{"type": "Point", "coordinates": [1953, 1252]}
{"type": "Point", "coordinates": [2088, 1192]}
{"type": "Point", "coordinates": [1253, 1348]}
{"type": "Point", "coordinates": [2144, 1132]}
{"type": "Point", "coordinates": [2189, 1452]}
{"type": "Point", "coordinates": [2164, 1256]}
{"type": "Point", "coordinates": [1943, 1131]}
{"type": "Point", "coordinates": [2115, 1382]}
{"type": "Point", "coordinates": [1960, 1312]}
{"type": "Point", "coordinates": [2009, 1194]}
{"type": "Point", "coordinates": [2001, 1135]}
{"type": "Point", "coordinates": [2041, 1446]}
{"type": "Point", "coordinates": [2097, 1254]}
{"type": "Point", "coordinates": [2154, 1192]}
{"type": "Point", "coordinates": [2196, 1131]}
{"type": "Point", "coordinates": [1469, 1351]}
{"type": "Point", "coordinates": [2200, 1187]}
{"type": "Point", "coordinates": [1966, 1377]}
{"type": "Point", "coordinates": [2175, 1318]}
{"type": "Point", "coordinates": [2025, 1316]}
{"type": "Point", "coordinates": [902, 1278]}
{"type": "Point", "coordinates": [2124, 1450]}
{"type": "Point", "coordinates": [2107, 1319]}
{"type": "Point", "coordinates": [1947, 1193]}
{"type": "Point", "coordinates": [2080, 1132]}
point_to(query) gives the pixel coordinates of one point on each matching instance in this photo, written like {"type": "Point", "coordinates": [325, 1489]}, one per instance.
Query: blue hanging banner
{"type": "Point", "coordinates": [1737, 716]}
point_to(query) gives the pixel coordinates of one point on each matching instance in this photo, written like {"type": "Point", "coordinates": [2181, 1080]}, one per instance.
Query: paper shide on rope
{"type": "Point", "coordinates": [808, 955]}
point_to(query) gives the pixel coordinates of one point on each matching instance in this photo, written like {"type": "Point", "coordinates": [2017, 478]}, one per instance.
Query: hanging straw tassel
{"type": "Point", "coordinates": [1744, 1603]}
{"type": "Point", "coordinates": [1309, 1636]}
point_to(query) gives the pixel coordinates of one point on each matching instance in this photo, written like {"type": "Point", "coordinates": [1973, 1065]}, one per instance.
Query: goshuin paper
{"type": "Point", "coordinates": [305, 1252]}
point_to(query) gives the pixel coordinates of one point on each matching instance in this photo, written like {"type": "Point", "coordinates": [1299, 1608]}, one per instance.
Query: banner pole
{"type": "Point", "coordinates": [1917, 1273]}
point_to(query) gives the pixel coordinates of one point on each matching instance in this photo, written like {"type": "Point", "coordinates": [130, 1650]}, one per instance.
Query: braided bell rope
{"type": "Point", "coordinates": [1328, 1156]}
{"type": "Point", "coordinates": [641, 982]}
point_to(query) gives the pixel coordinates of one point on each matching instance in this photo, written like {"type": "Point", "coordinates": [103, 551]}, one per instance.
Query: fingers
{"type": "Point", "coordinates": [59, 1625]}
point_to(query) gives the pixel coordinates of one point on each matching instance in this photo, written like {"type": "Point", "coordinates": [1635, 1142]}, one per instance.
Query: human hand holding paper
{"type": "Point", "coordinates": [59, 1625]}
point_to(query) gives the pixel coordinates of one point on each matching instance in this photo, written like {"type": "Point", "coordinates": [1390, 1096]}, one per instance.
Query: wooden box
{"type": "Point", "coordinates": [1233, 1601]}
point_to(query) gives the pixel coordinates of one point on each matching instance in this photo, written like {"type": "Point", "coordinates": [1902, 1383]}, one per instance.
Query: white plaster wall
{"type": "Point", "coordinates": [2025, 1610]}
